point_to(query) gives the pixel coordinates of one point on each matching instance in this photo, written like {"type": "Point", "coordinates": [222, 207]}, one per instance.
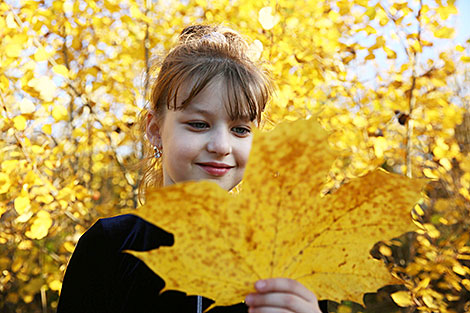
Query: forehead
{"type": "Point", "coordinates": [215, 95]}
{"type": "Point", "coordinates": [212, 98]}
{"type": "Point", "coordinates": [192, 90]}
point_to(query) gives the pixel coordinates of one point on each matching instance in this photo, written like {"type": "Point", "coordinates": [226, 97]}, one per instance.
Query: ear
{"type": "Point", "coordinates": [152, 130]}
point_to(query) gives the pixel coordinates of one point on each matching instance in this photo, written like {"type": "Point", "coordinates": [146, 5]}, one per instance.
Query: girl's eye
{"type": "Point", "coordinates": [198, 125]}
{"type": "Point", "coordinates": [241, 131]}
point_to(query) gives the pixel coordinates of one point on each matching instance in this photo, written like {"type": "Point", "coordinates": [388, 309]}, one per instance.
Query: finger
{"type": "Point", "coordinates": [268, 310]}
{"type": "Point", "coordinates": [277, 300]}
{"type": "Point", "coordinates": [285, 285]}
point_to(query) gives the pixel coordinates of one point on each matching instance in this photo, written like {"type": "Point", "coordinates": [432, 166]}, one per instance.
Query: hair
{"type": "Point", "coordinates": [204, 53]}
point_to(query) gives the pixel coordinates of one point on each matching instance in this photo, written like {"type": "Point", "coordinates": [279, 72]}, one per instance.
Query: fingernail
{"type": "Point", "coordinates": [260, 284]}
{"type": "Point", "coordinates": [248, 300]}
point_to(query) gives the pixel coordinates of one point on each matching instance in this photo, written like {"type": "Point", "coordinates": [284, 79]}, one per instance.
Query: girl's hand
{"type": "Point", "coordinates": [281, 295]}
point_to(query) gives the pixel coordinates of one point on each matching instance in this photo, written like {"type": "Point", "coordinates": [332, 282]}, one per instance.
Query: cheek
{"type": "Point", "coordinates": [176, 152]}
{"type": "Point", "coordinates": [176, 161]}
{"type": "Point", "coordinates": [244, 152]}
{"type": "Point", "coordinates": [181, 148]}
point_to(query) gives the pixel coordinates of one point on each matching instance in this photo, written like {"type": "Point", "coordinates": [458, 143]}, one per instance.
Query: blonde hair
{"type": "Point", "coordinates": [204, 53]}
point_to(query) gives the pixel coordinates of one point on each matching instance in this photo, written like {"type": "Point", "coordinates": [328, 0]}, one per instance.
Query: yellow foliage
{"type": "Point", "coordinates": [45, 86]}
{"type": "Point", "coordinates": [61, 70]}
{"type": "Point", "coordinates": [384, 250]}
{"type": "Point", "coordinates": [13, 49]}
{"type": "Point", "coordinates": [22, 204]}
{"type": "Point", "coordinates": [380, 145]}
{"type": "Point", "coordinates": [431, 230]}
{"type": "Point", "coordinates": [4, 183]}
{"type": "Point", "coordinates": [41, 54]}
{"type": "Point", "coordinates": [10, 21]}
{"type": "Point", "coordinates": [267, 19]}
{"type": "Point", "coordinates": [55, 285]}
{"type": "Point", "coordinates": [83, 61]}
{"type": "Point", "coordinates": [402, 298]}
{"type": "Point", "coordinates": [59, 113]}
{"type": "Point", "coordinates": [40, 227]}
{"type": "Point", "coordinates": [19, 122]}
{"type": "Point", "coordinates": [279, 225]}
{"type": "Point", "coordinates": [344, 309]}
{"type": "Point", "coordinates": [69, 246]}
{"type": "Point", "coordinates": [446, 163]}
{"type": "Point", "coordinates": [26, 106]}
{"type": "Point", "coordinates": [429, 173]}
{"type": "Point", "coordinates": [47, 128]}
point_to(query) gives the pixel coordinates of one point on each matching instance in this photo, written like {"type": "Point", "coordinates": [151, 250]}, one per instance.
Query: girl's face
{"type": "Point", "coordinates": [202, 142]}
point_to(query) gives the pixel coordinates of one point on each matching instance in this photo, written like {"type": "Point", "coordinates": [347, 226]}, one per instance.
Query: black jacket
{"type": "Point", "coordinates": [101, 278]}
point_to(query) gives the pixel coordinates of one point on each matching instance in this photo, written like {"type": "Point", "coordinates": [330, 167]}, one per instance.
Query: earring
{"type": "Point", "coordinates": [157, 153]}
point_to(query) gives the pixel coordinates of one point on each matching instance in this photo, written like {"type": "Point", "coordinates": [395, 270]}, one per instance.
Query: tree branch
{"type": "Point", "coordinates": [412, 101]}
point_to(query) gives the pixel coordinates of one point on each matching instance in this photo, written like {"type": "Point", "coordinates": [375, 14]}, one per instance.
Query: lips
{"type": "Point", "coordinates": [215, 168]}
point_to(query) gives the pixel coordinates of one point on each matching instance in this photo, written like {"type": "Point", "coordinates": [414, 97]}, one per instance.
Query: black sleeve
{"type": "Point", "coordinates": [84, 285]}
{"type": "Point", "coordinates": [100, 278]}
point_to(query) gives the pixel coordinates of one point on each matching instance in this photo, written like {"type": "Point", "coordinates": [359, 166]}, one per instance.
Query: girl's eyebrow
{"type": "Point", "coordinates": [192, 109]}
{"type": "Point", "coordinates": [195, 109]}
{"type": "Point", "coordinates": [198, 110]}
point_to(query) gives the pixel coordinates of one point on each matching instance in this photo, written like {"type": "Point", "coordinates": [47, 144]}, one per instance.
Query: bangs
{"type": "Point", "coordinates": [246, 91]}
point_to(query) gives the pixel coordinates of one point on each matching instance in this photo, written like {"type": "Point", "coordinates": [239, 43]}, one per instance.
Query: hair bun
{"type": "Point", "coordinates": [214, 34]}
{"type": "Point", "coordinates": [194, 32]}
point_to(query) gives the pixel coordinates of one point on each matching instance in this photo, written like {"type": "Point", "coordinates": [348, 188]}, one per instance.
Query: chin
{"type": "Point", "coordinates": [224, 184]}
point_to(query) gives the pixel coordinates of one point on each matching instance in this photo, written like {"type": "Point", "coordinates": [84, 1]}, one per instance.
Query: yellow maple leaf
{"type": "Point", "coordinates": [279, 225]}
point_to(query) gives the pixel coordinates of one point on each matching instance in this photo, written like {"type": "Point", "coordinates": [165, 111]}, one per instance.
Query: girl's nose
{"type": "Point", "coordinates": [219, 143]}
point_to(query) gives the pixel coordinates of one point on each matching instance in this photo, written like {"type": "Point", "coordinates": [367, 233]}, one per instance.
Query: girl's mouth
{"type": "Point", "coordinates": [215, 168]}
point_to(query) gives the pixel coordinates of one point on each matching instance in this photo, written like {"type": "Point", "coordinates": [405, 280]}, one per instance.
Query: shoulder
{"type": "Point", "coordinates": [100, 278]}
{"type": "Point", "coordinates": [127, 231]}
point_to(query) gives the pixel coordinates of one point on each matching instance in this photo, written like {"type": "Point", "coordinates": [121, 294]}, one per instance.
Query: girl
{"type": "Point", "coordinates": [205, 101]}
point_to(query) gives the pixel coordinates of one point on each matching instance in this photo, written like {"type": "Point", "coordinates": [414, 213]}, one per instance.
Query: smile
{"type": "Point", "coordinates": [215, 169]}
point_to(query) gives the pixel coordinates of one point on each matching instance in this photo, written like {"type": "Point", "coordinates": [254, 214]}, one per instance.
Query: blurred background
{"type": "Point", "coordinates": [389, 79]}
